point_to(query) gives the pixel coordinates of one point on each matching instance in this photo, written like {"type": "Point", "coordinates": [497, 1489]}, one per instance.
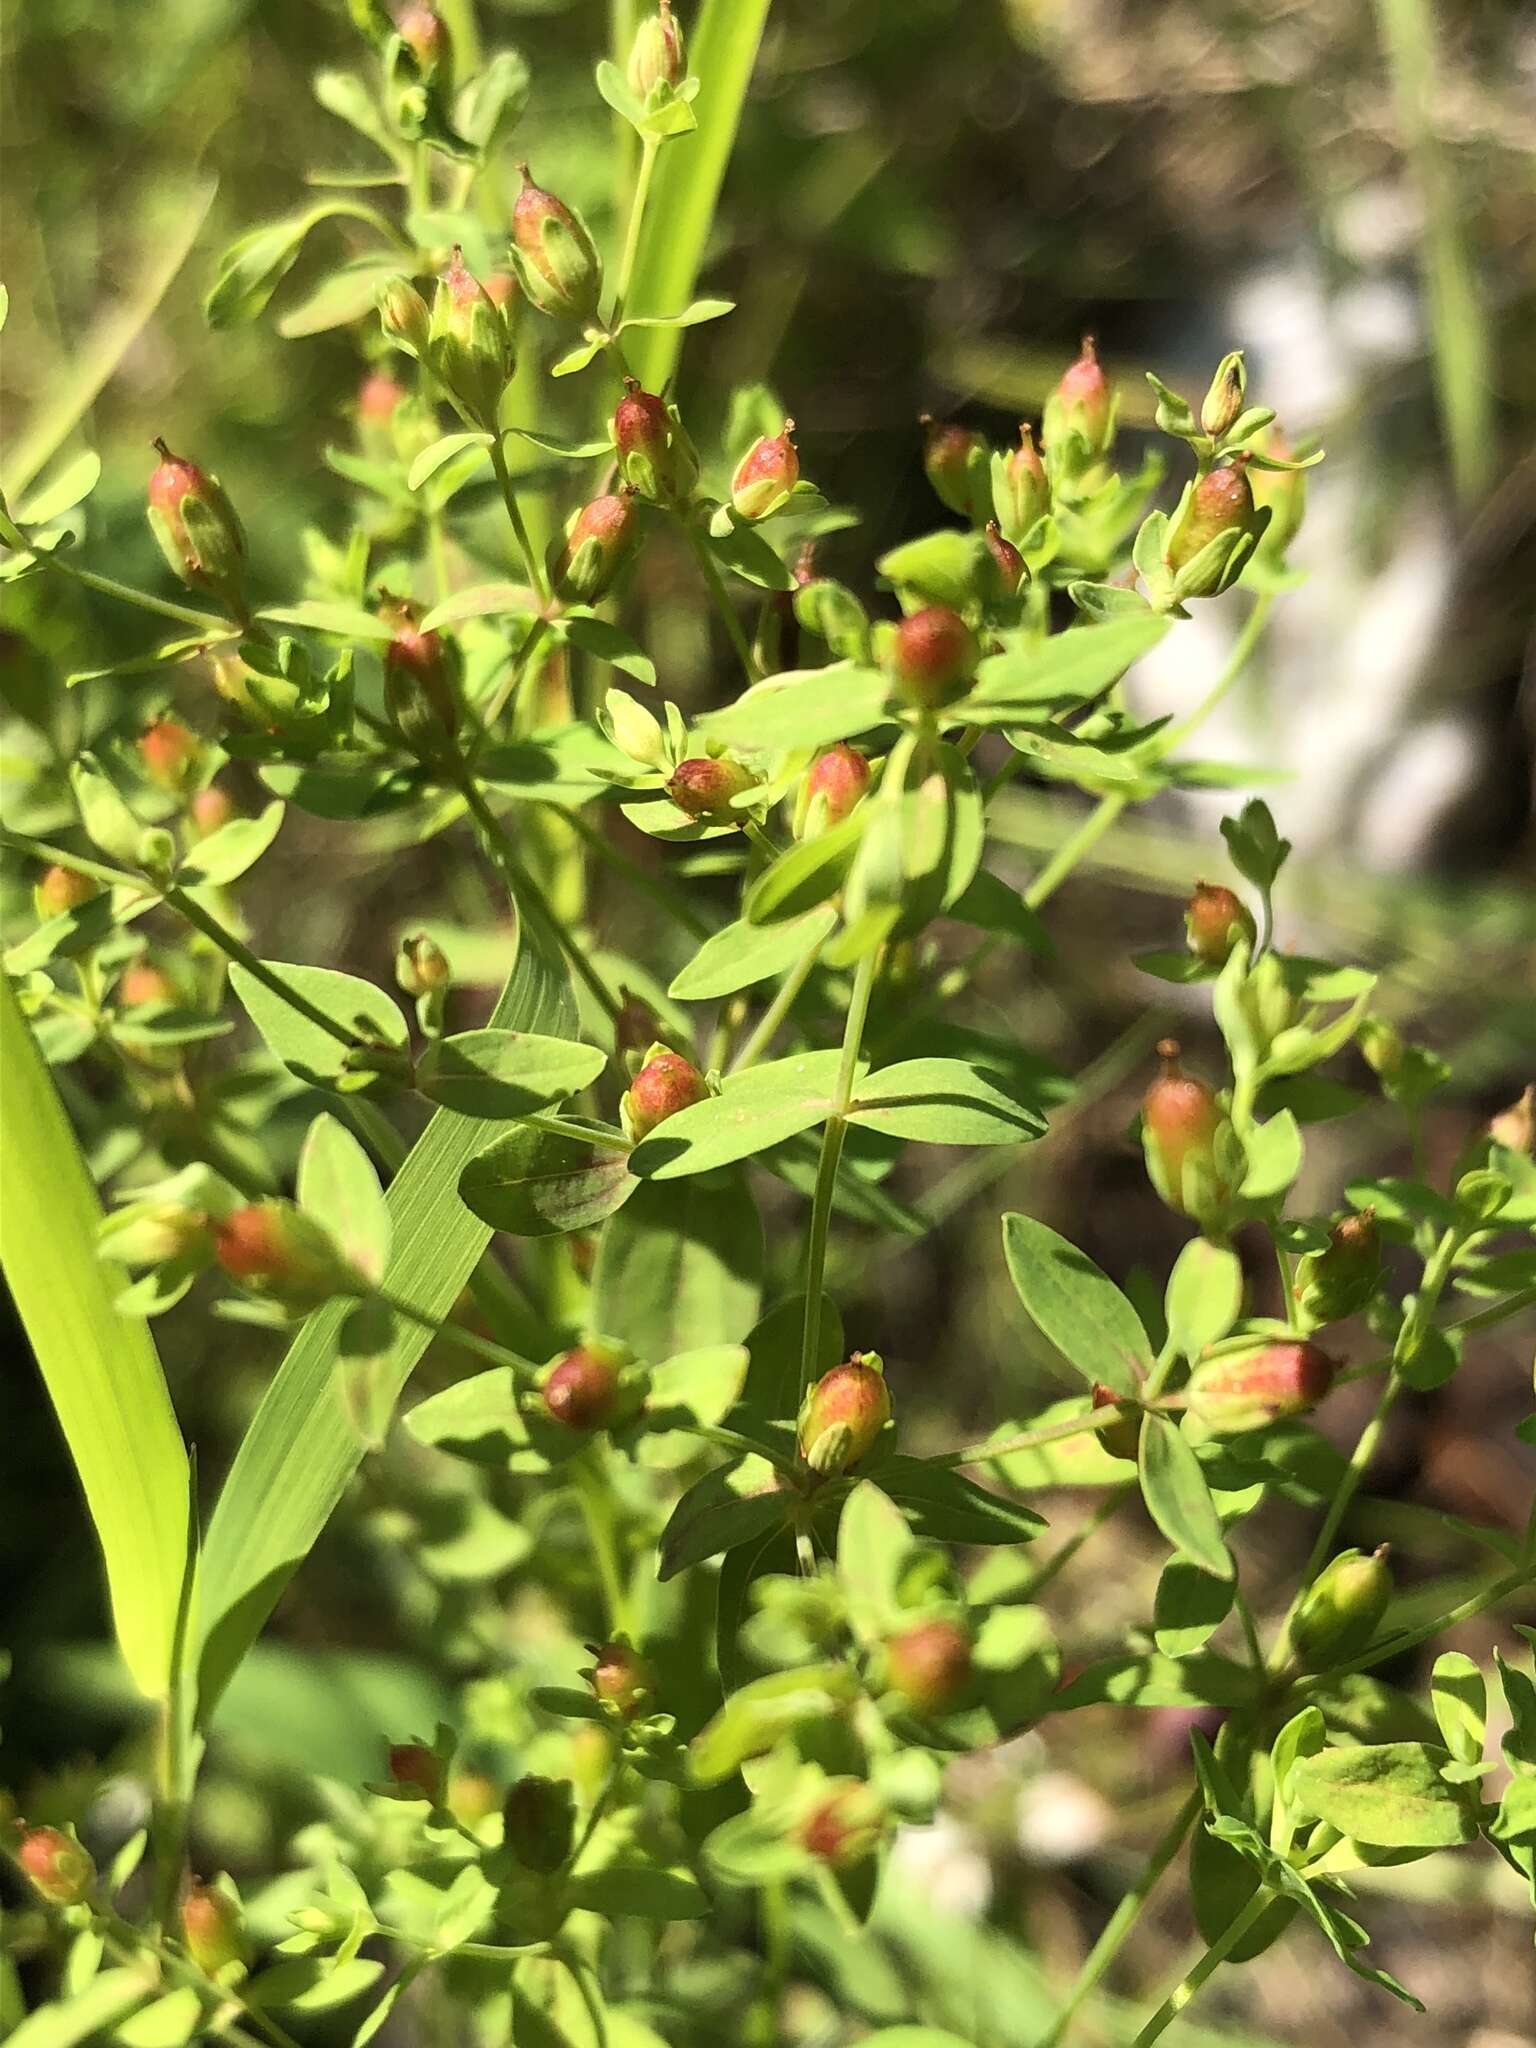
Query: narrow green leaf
{"type": "Point", "coordinates": [1073, 664]}
{"type": "Point", "coordinates": [1178, 1499]}
{"type": "Point", "coordinates": [742, 954]}
{"type": "Point", "coordinates": [432, 459]}
{"type": "Point", "coordinates": [943, 1102]}
{"type": "Point", "coordinates": [226, 854]}
{"type": "Point", "coordinates": [345, 621]}
{"type": "Point", "coordinates": [810, 708]}
{"type": "Point", "coordinates": [1078, 1308]}
{"type": "Point", "coordinates": [339, 1188]}
{"type": "Point", "coordinates": [505, 1073]}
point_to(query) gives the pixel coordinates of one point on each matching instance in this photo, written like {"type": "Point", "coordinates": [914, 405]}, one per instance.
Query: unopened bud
{"type": "Point", "coordinates": [1220, 504]}
{"type": "Point", "coordinates": [583, 1390]}
{"type": "Point", "coordinates": [835, 781]}
{"type": "Point", "coordinates": [1180, 1122]}
{"type": "Point", "coordinates": [665, 1084]}
{"type": "Point", "coordinates": [1247, 1389]}
{"type": "Point", "coordinates": [557, 261]}
{"type": "Point", "coordinates": [1223, 402]}
{"type": "Point", "coordinates": [1021, 494]}
{"type": "Point", "coordinates": [211, 809]}
{"type": "Point", "coordinates": [154, 1233]}
{"type": "Point", "coordinates": [1122, 1437]}
{"type": "Point", "coordinates": [1341, 1610]}
{"type": "Point", "coordinates": [144, 983]}
{"type": "Point", "coordinates": [415, 1768]}
{"type": "Point", "coordinates": [404, 316]}
{"type": "Point", "coordinates": [1010, 563]}
{"type": "Point", "coordinates": [954, 461]}
{"type": "Point", "coordinates": [56, 1864]}
{"type": "Point", "coordinates": [844, 1412]}
{"type": "Point", "coordinates": [377, 397]}
{"type": "Point", "coordinates": [1082, 403]}
{"type": "Point", "coordinates": [598, 542]}
{"type": "Point", "coordinates": [766, 474]}
{"type": "Point", "coordinates": [425, 35]}
{"type": "Point", "coordinates": [844, 1826]}
{"type": "Point", "coordinates": [169, 754]}
{"type": "Point", "coordinates": [621, 1678]}
{"type": "Point", "coordinates": [469, 345]}
{"type": "Point", "coordinates": [705, 785]}
{"type": "Point", "coordinates": [930, 1665]}
{"type": "Point", "coordinates": [1341, 1279]}
{"type": "Point", "coordinates": [276, 1250]}
{"type": "Point", "coordinates": [933, 655]}
{"type": "Point", "coordinates": [197, 529]}
{"type": "Point", "coordinates": [421, 966]}
{"type": "Point", "coordinates": [61, 890]}
{"type": "Point", "coordinates": [656, 56]}
{"type": "Point", "coordinates": [655, 456]}
{"type": "Point", "coordinates": [1515, 1127]}
{"type": "Point", "coordinates": [420, 692]}
{"type": "Point", "coordinates": [539, 1822]}
{"type": "Point", "coordinates": [210, 1928]}
{"type": "Point", "coordinates": [1214, 921]}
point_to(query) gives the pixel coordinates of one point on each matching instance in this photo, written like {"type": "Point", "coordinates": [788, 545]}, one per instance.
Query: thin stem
{"type": "Point", "coordinates": [520, 534]}
{"type": "Point", "coordinates": [1189, 1984]}
{"type": "Point", "coordinates": [1519, 1580]}
{"type": "Point", "coordinates": [606, 1139]}
{"type": "Point", "coordinates": [648, 149]}
{"type": "Point", "coordinates": [81, 864]}
{"type": "Point", "coordinates": [660, 891]}
{"type": "Point", "coordinates": [521, 668]}
{"type": "Point", "coordinates": [768, 1024]}
{"type": "Point", "coordinates": [710, 571]}
{"type": "Point", "coordinates": [1125, 1916]}
{"type": "Point", "coordinates": [1072, 849]}
{"type": "Point", "coordinates": [204, 921]}
{"type": "Point", "coordinates": [108, 586]}
{"type": "Point", "coordinates": [129, 1945]}
{"type": "Point", "coordinates": [831, 1157]}
{"type": "Point", "coordinates": [455, 1333]}
{"type": "Point", "coordinates": [1053, 1432]}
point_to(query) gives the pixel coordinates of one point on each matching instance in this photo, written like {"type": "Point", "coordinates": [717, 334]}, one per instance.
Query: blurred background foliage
{"type": "Point", "coordinates": [929, 203]}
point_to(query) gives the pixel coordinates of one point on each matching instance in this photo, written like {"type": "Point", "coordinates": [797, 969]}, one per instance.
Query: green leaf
{"type": "Point", "coordinates": [1258, 852]}
{"type": "Point", "coordinates": [482, 601]}
{"type": "Point", "coordinates": [756, 1109]}
{"type": "Point", "coordinates": [505, 1073]}
{"type": "Point", "coordinates": [1389, 1794]}
{"type": "Point", "coordinates": [710, 1518]}
{"type": "Point", "coordinates": [1178, 1499]}
{"type": "Point", "coordinates": [944, 1506]}
{"type": "Point", "coordinates": [606, 642]}
{"type": "Point", "coordinates": [1205, 1296]}
{"type": "Point", "coordinates": [741, 954]}
{"type": "Point", "coordinates": [536, 1183]}
{"type": "Point", "coordinates": [101, 1369]}
{"type": "Point", "coordinates": [809, 708]}
{"type": "Point", "coordinates": [639, 1890]}
{"type": "Point", "coordinates": [339, 1188]}
{"type": "Point", "coordinates": [755, 1718]}
{"type": "Point", "coordinates": [1143, 1679]}
{"type": "Point", "coordinates": [300, 1452]}
{"type": "Point", "coordinates": [874, 1541]}
{"type": "Point", "coordinates": [680, 1266]}
{"type": "Point", "coordinates": [575, 359]}
{"type": "Point", "coordinates": [226, 854]}
{"type": "Point", "coordinates": [475, 1418]}
{"type": "Point", "coordinates": [804, 876]}
{"type": "Point", "coordinates": [693, 315]}
{"type": "Point", "coordinates": [1515, 1820]}
{"type": "Point", "coordinates": [104, 2002]}
{"type": "Point", "coordinates": [1191, 1605]}
{"type": "Point", "coordinates": [914, 2037]}
{"type": "Point", "coordinates": [945, 567]}
{"type": "Point", "coordinates": [431, 459]}
{"type": "Point", "coordinates": [308, 1984]}
{"type": "Point", "coordinates": [1074, 664]}
{"type": "Point", "coordinates": [744, 551]}
{"type": "Point", "coordinates": [302, 1046]}
{"type": "Point", "coordinates": [344, 621]}
{"type": "Point", "coordinates": [990, 905]}
{"type": "Point", "coordinates": [943, 1102]}
{"type": "Point", "coordinates": [1078, 1308]}
{"type": "Point", "coordinates": [167, 2023]}
{"type": "Point", "coordinates": [1274, 1154]}
{"type": "Point", "coordinates": [64, 491]}
{"type": "Point", "coordinates": [1459, 1694]}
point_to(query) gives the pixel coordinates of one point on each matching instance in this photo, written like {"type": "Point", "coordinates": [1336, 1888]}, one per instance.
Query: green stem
{"type": "Point", "coordinates": [108, 586]}
{"type": "Point", "coordinates": [1189, 1984]}
{"type": "Point", "coordinates": [1072, 849]}
{"type": "Point", "coordinates": [81, 864]}
{"type": "Point", "coordinates": [831, 1157]}
{"type": "Point", "coordinates": [517, 673]}
{"type": "Point", "coordinates": [454, 1333]}
{"type": "Point", "coordinates": [1519, 1580]}
{"type": "Point", "coordinates": [607, 1139]}
{"type": "Point", "coordinates": [768, 1024]}
{"type": "Point", "coordinates": [595, 1498]}
{"type": "Point", "coordinates": [709, 569]}
{"type": "Point", "coordinates": [648, 148]}
{"type": "Point", "coordinates": [1072, 1425]}
{"type": "Point", "coordinates": [660, 891]}
{"type": "Point", "coordinates": [128, 1944]}
{"type": "Point", "coordinates": [204, 921]}
{"type": "Point", "coordinates": [531, 562]}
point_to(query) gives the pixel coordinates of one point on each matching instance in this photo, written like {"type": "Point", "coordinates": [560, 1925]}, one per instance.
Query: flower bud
{"type": "Point", "coordinates": [421, 966]}
{"type": "Point", "coordinates": [377, 397]}
{"type": "Point", "coordinates": [420, 692]}
{"type": "Point", "coordinates": [844, 1412]}
{"type": "Point", "coordinates": [1515, 1127]}
{"type": "Point", "coordinates": [1214, 921]}
{"type": "Point", "coordinates": [766, 474]}
{"type": "Point", "coordinates": [1247, 1389]}
{"type": "Point", "coordinates": [144, 983]}
{"type": "Point", "coordinates": [1220, 504]}
{"type": "Point", "coordinates": [933, 655]}
{"type": "Point", "coordinates": [954, 460]}
{"type": "Point", "coordinates": [154, 1233]}
{"type": "Point", "coordinates": [1342, 1609]}
{"type": "Point", "coordinates": [1341, 1279]}
{"type": "Point", "coordinates": [634, 730]}
{"type": "Point", "coordinates": [425, 35]}
{"type": "Point", "coordinates": [557, 261]}
{"type": "Point", "coordinates": [930, 1665]}
{"type": "Point", "coordinates": [169, 754]}
{"type": "Point", "coordinates": [665, 1084]}
{"type": "Point", "coordinates": [538, 1819]}
{"type": "Point", "coordinates": [1021, 495]}
{"type": "Point", "coordinates": [1223, 402]}
{"type": "Point", "coordinates": [1082, 403]}
{"type": "Point", "coordinates": [621, 1678]}
{"type": "Point", "coordinates": [655, 456]}
{"type": "Point", "coordinates": [1011, 569]}
{"type": "Point", "coordinates": [210, 1929]}
{"type": "Point", "coordinates": [501, 289]}
{"type": "Point", "coordinates": [61, 890]}
{"type": "Point", "coordinates": [56, 1864]}
{"type": "Point", "coordinates": [404, 316]}
{"type": "Point", "coordinates": [583, 1390]}
{"type": "Point", "coordinates": [704, 786]}
{"type": "Point", "coordinates": [843, 1828]}
{"type": "Point", "coordinates": [211, 809]}
{"type": "Point", "coordinates": [197, 529]}
{"type": "Point", "coordinates": [1180, 1122]}
{"type": "Point", "coordinates": [835, 781]}
{"type": "Point", "coordinates": [598, 542]}
{"type": "Point", "coordinates": [656, 56]}
{"type": "Point", "coordinates": [276, 1250]}
{"type": "Point", "coordinates": [469, 347]}
{"type": "Point", "coordinates": [415, 1768]}
{"type": "Point", "coordinates": [1122, 1437]}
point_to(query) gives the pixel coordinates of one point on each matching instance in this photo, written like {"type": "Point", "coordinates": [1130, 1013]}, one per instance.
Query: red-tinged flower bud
{"type": "Point", "coordinates": [844, 1412]}
{"type": "Point", "coordinates": [1010, 563]}
{"type": "Point", "coordinates": [704, 786]}
{"type": "Point", "coordinates": [61, 890]}
{"type": "Point", "coordinates": [933, 655]}
{"type": "Point", "coordinates": [169, 754]}
{"type": "Point", "coordinates": [276, 1250]}
{"type": "Point", "coordinates": [56, 1864]}
{"type": "Point", "coordinates": [583, 1390]}
{"type": "Point", "coordinates": [377, 397]}
{"type": "Point", "coordinates": [1083, 403]}
{"type": "Point", "coordinates": [501, 290]}
{"type": "Point", "coordinates": [210, 1929]}
{"type": "Point", "coordinates": [210, 810]}
{"type": "Point", "coordinates": [930, 1665]}
{"type": "Point", "coordinates": [1247, 1389]}
{"type": "Point", "coordinates": [404, 316]}
{"type": "Point", "coordinates": [1180, 1121]}
{"type": "Point", "coordinates": [145, 983]}
{"type": "Point", "coordinates": [1024, 493]}
{"type": "Point", "coordinates": [557, 261]}
{"type": "Point", "coordinates": [1514, 1128]}
{"type": "Point", "coordinates": [835, 781]}
{"type": "Point", "coordinates": [665, 1084]}
{"type": "Point", "coordinates": [621, 1678]}
{"type": "Point", "coordinates": [420, 684]}
{"type": "Point", "coordinates": [598, 542]}
{"type": "Point", "coordinates": [469, 346]}
{"type": "Point", "coordinates": [1341, 1610]}
{"type": "Point", "coordinates": [843, 1828]}
{"type": "Point", "coordinates": [656, 457]}
{"type": "Point", "coordinates": [1339, 1280]}
{"type": "Point", "coordinates": [197, 529]}
{"type": "Point", "coordinates": [425, 35]}
{"type": "Point", "coordinates": [472, 1797]}
{"type": "Point", "coordinates": [1122, 1437]}
{"type": "Point", "coordinates": [415, 1768]}
{"type": "Point", "coordinates": [766, 474]}
{"type": "Point", "coordinates": [656, 56]}
{"type": "Point", "coordinates": [539, 1822]}
{"type": "Point", "coordinates": [1220, 503]}
{"type": "Point", "coordinates": [1214, 921]}
{"type": "Point", "coordinates": [954, 459]}
{"type": "Point", "coordinates": [421, 966]}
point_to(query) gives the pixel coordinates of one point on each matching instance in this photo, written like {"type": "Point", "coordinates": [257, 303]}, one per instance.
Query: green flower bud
{"type": "Point", "coordinates": [404, 317]}
{"type": "Point", "coordinates": [61, 890]}
{"type": "Point", "coordinates": [557, 261]}
{"type": "Point", "coordinates": [1122, 1437]}
{"type": "Point", "coordinates": [1381, 1046]}
{"type": "Point", "coordinates": [955, 464]}
{"type": "Point", "coordinates": [56, 1865]}
{"type": "Point", "coordinates": [705, 785]}
{"type": "Point", "coordinates": [197, 529]}
{"type": "Point", "coordinates": [766, 474]}
{"type": "Point", "coordinates": [665, 1084]}
{"type": "Point", "coordinates": [933, 655]}
{"type": "Point", "coordinates": [843, 1827]}
{"type": "Point", "coordinates": [154, 1233]}
{"type": "Point", "coordinates": [1223, 402]}
{"type": "Point", "coordinates": [844, 1412]}
{"type": "Point", "coordinates": [634, 730]}
{"type": "Point", "coordinates": [1340, 1280]}
{"type": "Point", "coordinates": [1342, 1609]}
{"type": "Point", "coordinates": [1214, 922]}
{"type": "Point", "coordinates": [539, 1822]}
{"type": "Point", "coordinates": [274, 1249]}
{"type": "Point", "coordinates": [656, 56]}
{"type": "Point", "coordinates": [621, 1678]}
{"type": "Point", "coordinates": [930, 1665]}
{"type": "Point", "coordinates": [1181, 1122]}
{"type": "Point", "coordinates": [421, 966]}
{"type": "Point", "coordinates": [420, 684]}
{"type": "Point", "coordinates": [1020, 492]}
{"type": "Point", "coordinates": [598, 542]}
{"type": "Point", "coordinates": [469, 346]}
{"type": "Point", "coordinates": [210, 1929]}
{"type": "Point", "coordinates": [830, 788]}
{"type": "Point", "coordinates": [655, 456]}
{"type": "Point", "coordinates": [1247, 1389]}
{"type": "Point", "coordinates": [584, 1389]}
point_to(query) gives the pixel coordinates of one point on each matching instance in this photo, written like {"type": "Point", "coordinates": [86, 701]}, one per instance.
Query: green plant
{"type": "Point", "coordinates": [789, 1637]}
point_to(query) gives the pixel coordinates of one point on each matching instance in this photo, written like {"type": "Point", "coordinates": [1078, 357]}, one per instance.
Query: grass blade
{"type": "Point", "coordinates": [689, 172]}
{"type": "Point", "coordinates": [101, 1369]}
{"type": "Point", "coordinates": [300, 1451]}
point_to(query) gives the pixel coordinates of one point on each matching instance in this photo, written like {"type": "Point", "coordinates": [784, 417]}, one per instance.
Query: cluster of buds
{"type": "Point", "coordinates": [930, 1665]}
{"type": "Point", "coordinates": [705, 788]}
{"type": "Point", "coordinates": [1215, 921]}
{"type": "Point", "coordinates": [1185, 1135]}
{"type": "Point", "coordinates": [554, 255]}
{"type": "Point", "coordinates": [835, 782]}
{"type": "Point", "coordinates": [1340, 1279]}
{"type": "Point", "coordinates": [599, 540]}
{"type": "Point", "coordinates": [469, 345]}
{"type": "Point", "coordinates": [1256, 1384]}
{"type": "Point", "coordinates": [843, 1414]}
{"type": "Point", "coordinates": [421, 683]}
{"type": "Point", "coordinates": [197, 529]}
{"type": "Point", "coordinates": [1341, 1610]}
{"type": "Point", "coordinates": [591, 1387]}
{"type": "Point", "coordinates": [279, 1252]}
{"type": "Point", "coordinates": [656, 458]}
{"type": "Point", "coordinates": [763, 479]}
{"type": "Point", "coordinates": [664, 1083]}
{"type": "Point", "coordinates": [932, 655]}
